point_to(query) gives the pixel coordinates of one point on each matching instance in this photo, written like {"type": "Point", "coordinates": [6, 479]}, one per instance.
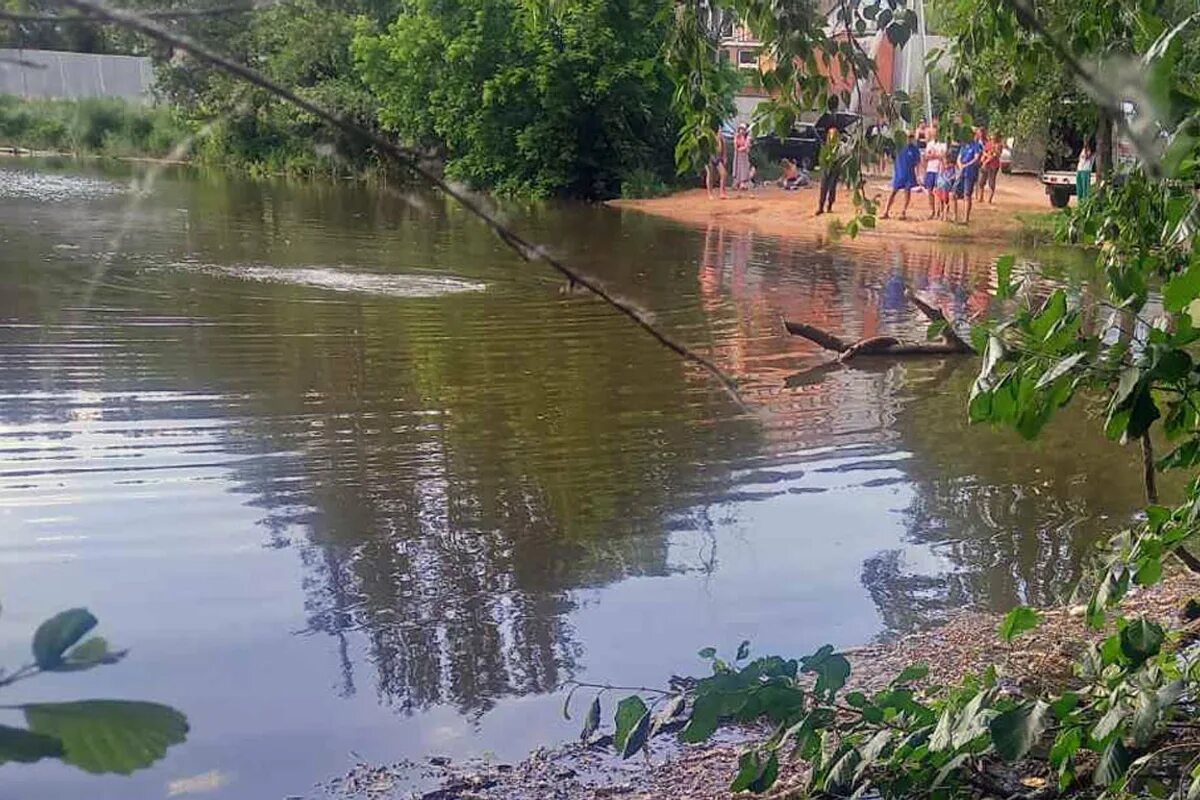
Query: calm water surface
{"type": "Point", "coordinates": [353, 482]}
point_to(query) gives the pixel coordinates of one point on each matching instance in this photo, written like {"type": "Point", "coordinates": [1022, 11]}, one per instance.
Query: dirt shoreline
{"type": "Point", "coordinates": [967, 643]}
{"type": "Point", "coordinates": [772, 211]}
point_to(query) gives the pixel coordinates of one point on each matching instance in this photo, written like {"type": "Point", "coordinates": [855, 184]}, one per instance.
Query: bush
{"type": "Point", "coordinates": [96, 126]}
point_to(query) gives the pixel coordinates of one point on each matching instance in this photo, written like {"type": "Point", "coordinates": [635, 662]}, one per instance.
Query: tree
{"type": "Point", "coordinates": [528, 97]}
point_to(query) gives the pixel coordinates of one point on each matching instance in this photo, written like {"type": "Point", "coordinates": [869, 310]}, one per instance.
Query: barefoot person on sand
{"type": "Point", "coordinates": [716, 167]}
{"type": "Point", "coordinates": [741, 158]}
{"type": "Point", "coordinates": [904, 177]}
{"type": "Point", "coordinates": [990, 167]}
{"type": "Point", "coordinates": [968, 173]}
{"type": "Point", "coordinates": [935, 154]}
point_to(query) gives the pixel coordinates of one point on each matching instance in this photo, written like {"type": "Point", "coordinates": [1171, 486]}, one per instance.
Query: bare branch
{"type": "Point", "coordinates": [412, 160]}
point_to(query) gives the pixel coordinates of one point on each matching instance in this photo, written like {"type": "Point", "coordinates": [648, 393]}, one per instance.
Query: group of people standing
{"type": "Point", "coordinates": [951, 172]}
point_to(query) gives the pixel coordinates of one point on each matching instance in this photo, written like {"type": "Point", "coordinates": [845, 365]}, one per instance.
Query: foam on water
{"type": "Point", "coordinates": [52, 188]}
{"type": "Point", "coordinates": [337, 279]}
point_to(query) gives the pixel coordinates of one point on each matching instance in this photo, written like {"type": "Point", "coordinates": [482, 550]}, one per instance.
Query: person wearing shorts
{"type": "Point", "coordinates": [968, 174]}
{"type": "Point", "coordinates": [904, 176]}
{"type": "Point", "coordinates": [946, 179]}
{"type": "Point", "coordinates": [935, 156]}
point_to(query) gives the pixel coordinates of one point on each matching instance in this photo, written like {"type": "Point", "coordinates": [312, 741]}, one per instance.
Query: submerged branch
{"type": "Point", "coordinates": [951, 344]}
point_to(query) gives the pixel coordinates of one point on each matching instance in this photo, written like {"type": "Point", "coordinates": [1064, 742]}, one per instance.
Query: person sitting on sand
{"type": "Point", "coordinates": [904, 176]}
{"type": "Point", "coordinates": [793, 177]}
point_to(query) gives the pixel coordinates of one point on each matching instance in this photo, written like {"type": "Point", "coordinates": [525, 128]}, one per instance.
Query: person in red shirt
{"type": "Point", "coordinates": [990, 167]}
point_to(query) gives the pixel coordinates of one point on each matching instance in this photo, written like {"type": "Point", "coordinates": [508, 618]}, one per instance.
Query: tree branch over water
{"type": "Point", "coordinates": [413, 160]}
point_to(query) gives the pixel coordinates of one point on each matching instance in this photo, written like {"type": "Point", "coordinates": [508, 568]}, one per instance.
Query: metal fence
{"type": "Point", "coordinates": [55, 74]}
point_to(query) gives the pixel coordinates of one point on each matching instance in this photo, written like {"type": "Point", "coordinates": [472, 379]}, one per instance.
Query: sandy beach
{"type": "Point", "coordinates": [772, 211]}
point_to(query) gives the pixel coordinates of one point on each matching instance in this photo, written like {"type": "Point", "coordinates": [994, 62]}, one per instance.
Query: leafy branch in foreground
{"type": "Point", "coordinates": [101, 736]}
{"type": "Point", "coordinates": [913, 739]}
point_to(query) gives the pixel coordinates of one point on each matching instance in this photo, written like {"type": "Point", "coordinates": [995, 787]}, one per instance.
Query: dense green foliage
{"type": "Point", "coordinates": [100, 736]}
{"type": "Point", "coordinates": [525, 97]}
{"type": "Point", "coordinates": [96, 126]}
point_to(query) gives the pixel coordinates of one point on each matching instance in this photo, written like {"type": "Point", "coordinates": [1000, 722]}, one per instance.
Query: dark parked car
{"type": "Point", "coordinates": [801, 146]}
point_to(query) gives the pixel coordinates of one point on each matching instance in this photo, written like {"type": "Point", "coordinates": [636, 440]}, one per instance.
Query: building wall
{"type": "Point", "coordinates": [54, 74]}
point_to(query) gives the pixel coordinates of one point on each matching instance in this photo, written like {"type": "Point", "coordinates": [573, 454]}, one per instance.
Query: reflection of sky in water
{"type": "Point", "coordinates": [332, 522]}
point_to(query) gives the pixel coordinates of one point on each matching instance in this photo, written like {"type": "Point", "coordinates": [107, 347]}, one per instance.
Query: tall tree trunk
{"type": "Point", "coordinates": [1104, 144]}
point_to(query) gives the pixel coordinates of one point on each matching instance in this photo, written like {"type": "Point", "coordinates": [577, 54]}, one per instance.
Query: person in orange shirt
{"type": "Point", "coordinates": [990, 167]}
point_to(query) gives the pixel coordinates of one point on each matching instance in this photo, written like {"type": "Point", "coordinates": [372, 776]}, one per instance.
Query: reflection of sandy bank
{"type": "Point", "coordinates": [773, 211]}
{"type": "Point", "coordinates": [749, 284]}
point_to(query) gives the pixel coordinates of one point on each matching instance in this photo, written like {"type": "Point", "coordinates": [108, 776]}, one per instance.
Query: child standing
{"type": "Point", "coordinates": [945, 185]}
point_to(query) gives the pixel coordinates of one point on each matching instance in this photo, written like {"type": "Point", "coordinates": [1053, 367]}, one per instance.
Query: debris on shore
{"type": "Point", "coordinates": [1039, 659]}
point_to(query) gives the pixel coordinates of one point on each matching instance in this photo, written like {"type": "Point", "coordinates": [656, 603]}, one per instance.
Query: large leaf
{"type": "Point", "coordinates": [1113, 764]}
{"type": "Point", "coordinates": [1004, 268]}
{"type": "Point", "coordinates": [58, 633]}
{"type": "Point", "coordinates": [18, 744]}
{"type": "Point", "coordinates": [1141, 639]}
{"type": "Point", "coordinates": [1015, 732]}
{"type": "Point", "coordinates": [629, 712]}
{"type": "Point", "coordinates": [832, 669]}
{"type": "Point", "coordinates": [592, 721]}
{"type": "Point", "coordinates": [92, 653]}
{"type": "Point", "coordinates": [706, 713]}
{"type": "Point", "coordinates": [1018, 621]}
{"type": "Point", "coordinates": [637, 737]}
{"type": "Point", "coordinates": [109, 735]}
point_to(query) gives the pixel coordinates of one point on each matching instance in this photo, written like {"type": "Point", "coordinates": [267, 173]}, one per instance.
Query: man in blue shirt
{"type": "Point", "coordinates": [968, 172]}
{"type": "Point", "coordinates": [904, 178]}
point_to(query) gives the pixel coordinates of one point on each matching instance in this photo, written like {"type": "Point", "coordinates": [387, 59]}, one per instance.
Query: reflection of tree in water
{"type": "Point", "coordinates": [451, 470]}
{"type": "Point", "coordinates": [1012, 521]}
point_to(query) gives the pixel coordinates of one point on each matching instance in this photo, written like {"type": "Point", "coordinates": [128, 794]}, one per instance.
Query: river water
{"type": "Point", "coordinates": [353, 482]}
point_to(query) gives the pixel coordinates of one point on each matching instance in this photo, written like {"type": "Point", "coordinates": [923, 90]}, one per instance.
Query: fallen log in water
{"type": "Point", "coordinates": [951, 343]}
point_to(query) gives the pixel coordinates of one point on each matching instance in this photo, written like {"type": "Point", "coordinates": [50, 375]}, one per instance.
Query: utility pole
{"type": "Point", "coordinates": [924, 60]}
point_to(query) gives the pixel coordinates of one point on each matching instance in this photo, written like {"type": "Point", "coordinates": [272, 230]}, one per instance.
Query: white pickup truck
{"type": "Point", "coordinates": [1060, 186]}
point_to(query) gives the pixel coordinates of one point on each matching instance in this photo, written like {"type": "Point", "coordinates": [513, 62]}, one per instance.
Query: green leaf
{"type": "Point", "coordinates": [1061, 368]}
{"type": "Point", "coordinates": [1018, 621]}
{"type": "Point", "coordinates": [670, 711]}
{"type": "Point", "coordinates": [1113, 764]}
{"type": "Point", "coordinates": [109, 735]}
{"type": "Point", "coordinates": [1004, 268]}
{"type": "Point", "coordinates": [936, 329]}
{"type": "Point", "coordinates": [913, 672]}
{"type": "Point", "coordinates": [1108, 723]}
{"type": "Point", "coordinates": [637, 737]}
{"type": "Point", "coordinates": [1182, 289]}
{"type": "Point", "coordinates": [1015, 732]}
{"type": "Point", "coordinates": [949, 767]}
{"type": "Point", "coordinates": [629, 712]}
{"type": "Point", "coordinates": [58, 633]}
{"type": "Point", "coordinates": [943, 732]}
{"type": "Point", "coordinates": [708, 652]}
{"type": "Point", "coordinates": [92, 653]}
{"type": "Point", "coordinates": [1186, 456]}
{"type": "Point", "coordinates": [1141, 639]}
{"type": "Point", "coordinates": [1065, 746]}
{"type": "Point", "coordinates": [592, 721]}
{"type": "Point", "coordinates": [832, 669]}
{"type": "Point", "coordinates": [757, 771]}
{"type": "Point", "coordinates": [1064, 705]}
{"type": "Point", "coordinates": [706, 713]}
{"type": "Point", "coordinates": [743, 650]}
{"type": "Point", "coordinates": [18, 744]}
